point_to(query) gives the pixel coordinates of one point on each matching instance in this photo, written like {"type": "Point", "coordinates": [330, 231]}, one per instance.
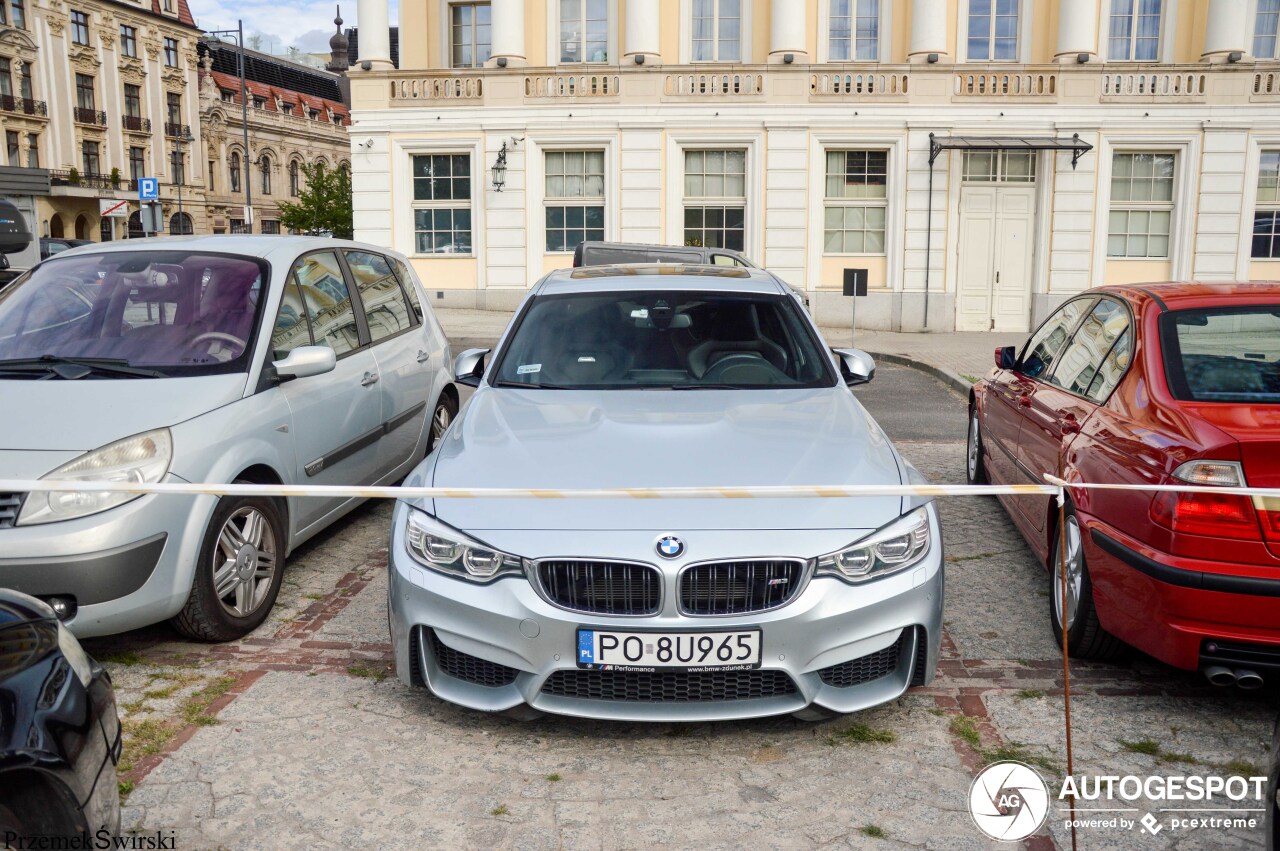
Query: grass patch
{"type": "Point", "coordinates": [1145, 746]}
{"type": "Point", "coordinates": [863, 735]}
{"type": "Point", "coordinates": [972, 379]}
{"type": "Point", "coordinates": [500, 810]}
{"type": "Point", "coordinates": [315, 596]}
{"type": "Point", "coordinates": [1183, 758]}
{"type": "Point", "coordinates": [127, 658]}
{"type": "Point", "coordinates": [873, 830]}
{"type": "Point", "coordinates": [1240, 766]}
{"type": "Point", "coordinates": [370, 672]}
{"type": "Point", "coordinates": [194, 708]}
{"type": "Point", "coordinates": [966, 728]}
{"type": "Point", "coordinates": [553, 778]}
{"type": "Point", "coordinates": [142, 738]}
{"type": "Point", "coordinates": [124, 787]}
{"type": "Point", "coordinates": [1029, 694]}
{"type": "Point", "coordinates": [1018, 752]}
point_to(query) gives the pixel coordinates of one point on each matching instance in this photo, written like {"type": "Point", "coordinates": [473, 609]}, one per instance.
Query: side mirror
{"type": "Point", "coordinates": [1006, 357]}
{"type": "Point", "coordinates": [306, 361]}
{"type": "Point", "coordinates": [856, 366]}
{"type": "Point", "coordinates": [468, 367]}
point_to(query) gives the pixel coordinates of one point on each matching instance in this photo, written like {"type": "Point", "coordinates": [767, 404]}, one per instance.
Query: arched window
{"type": "Point", "coordinates": [180, 224]}
{"type": "Point", "coordinates": [106, 229]}
{"type": "Point", "coordinates": [82, 226]}
{"type": "Point", "coordinates": [345, 168]}
{"type": "Point", "coordinates": [55, 226]}
{"type": "Point", "coordinates": [295, 182]}
{"type": "Point", "coordinates": [234, 169]}
{"type": "Point", "coordinates": [135, 225]}
{"type": "Point", "coordinates": [266, 174]}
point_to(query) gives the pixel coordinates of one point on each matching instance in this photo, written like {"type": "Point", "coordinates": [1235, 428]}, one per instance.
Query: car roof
{"type": "Point", "coordinates": [660, 276]}
{"type": "Point", "coordinates": [1173, 295]}
{"type": "Point", "coordinates": [264, 246]}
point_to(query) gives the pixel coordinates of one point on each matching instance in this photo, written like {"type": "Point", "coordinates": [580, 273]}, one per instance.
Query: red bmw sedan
{"type": "Point", "coordinates": [1154, 384]}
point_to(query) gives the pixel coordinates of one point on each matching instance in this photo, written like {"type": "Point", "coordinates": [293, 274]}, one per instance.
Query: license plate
{"type": "Point", "coordinates": [690, 651]}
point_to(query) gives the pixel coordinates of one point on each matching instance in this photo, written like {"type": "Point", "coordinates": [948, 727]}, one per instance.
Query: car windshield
{"type": "Point", "coordinates": [663, 339]}
{"type": "Point", "coordinates": [1223, 354]}
{"type": "Point", "coordinates": [173, 312]}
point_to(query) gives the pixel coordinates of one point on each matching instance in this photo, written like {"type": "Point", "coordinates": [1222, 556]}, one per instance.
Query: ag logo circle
{"type": "Point", "coordinates": [669, 546]}
{"type": "Point", "coordinates": [1008, 801]}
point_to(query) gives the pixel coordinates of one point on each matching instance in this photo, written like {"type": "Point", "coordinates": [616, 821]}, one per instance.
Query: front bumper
{"type": "Point", "coordinates": [508, 628]}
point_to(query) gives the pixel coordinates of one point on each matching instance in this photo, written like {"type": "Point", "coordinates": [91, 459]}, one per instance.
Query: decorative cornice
{"type": "Point", "coordinates": [55, 25]}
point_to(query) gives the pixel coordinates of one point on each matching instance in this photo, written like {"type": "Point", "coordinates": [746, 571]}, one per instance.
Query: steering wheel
{"type": "Point", "coordinates": [221, 353]}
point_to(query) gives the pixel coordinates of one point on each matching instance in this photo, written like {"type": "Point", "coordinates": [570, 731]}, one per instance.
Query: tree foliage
{"type": "Point", "coordinates": [324, 203]}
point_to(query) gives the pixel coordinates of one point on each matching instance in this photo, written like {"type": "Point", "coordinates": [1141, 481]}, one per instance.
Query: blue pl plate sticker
{"type": "Point", "coordinates": [586, 646]}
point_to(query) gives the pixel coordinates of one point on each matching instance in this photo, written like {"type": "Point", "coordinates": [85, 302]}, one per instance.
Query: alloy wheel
{"type": "Point", "coordinates": [440, 422]}
{"type": "Point", "coordinates": [972, 455]}
{"type": "Point", "coordinates": [245, 562]}
{"type": "Point", "coordinates": [1075, 574]}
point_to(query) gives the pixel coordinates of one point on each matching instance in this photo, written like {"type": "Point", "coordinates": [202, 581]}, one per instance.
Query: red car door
{"type": "Point", "coordinates": [1059, 404]}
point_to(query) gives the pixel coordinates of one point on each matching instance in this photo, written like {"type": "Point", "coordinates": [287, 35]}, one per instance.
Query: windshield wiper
{"type": "Point", "coordinates": [73, 368]}
{"type": "Point", "coordinates": [533, 385]}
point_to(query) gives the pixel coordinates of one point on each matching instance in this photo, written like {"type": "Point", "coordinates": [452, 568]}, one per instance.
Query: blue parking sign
{"type": "Point", "coordinates": [148, 188]}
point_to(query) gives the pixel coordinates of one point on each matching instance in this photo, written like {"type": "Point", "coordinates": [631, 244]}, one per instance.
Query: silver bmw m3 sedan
{"type": "Point", "coordinates": [665, 609]}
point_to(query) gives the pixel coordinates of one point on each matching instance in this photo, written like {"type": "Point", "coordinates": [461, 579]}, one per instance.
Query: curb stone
{"type": "Point", "coordinates": [946, 376]}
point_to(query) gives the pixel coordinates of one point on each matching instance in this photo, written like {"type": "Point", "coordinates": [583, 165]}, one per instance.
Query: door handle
{"type": "Point", "coordinates": [423, 357]}
{"type": "Point", "coordinates": [1024, 401]}
{"type": "Point", "coordinates": [369, 378]}
{"type": "Point", "coordinates": [1070, 425]}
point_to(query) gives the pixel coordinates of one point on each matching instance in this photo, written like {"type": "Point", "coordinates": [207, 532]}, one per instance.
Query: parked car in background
{"type": "Point", "coordinates": [601, 253]}
{"type": "Point", "coordinates": [1158, 384]}
{"type": "Point", "coordinates": [665, 609]}
{"type": "Point", "coordinates": [205, 359]}
{"type": "Point", "coordinates": [49, 246]}
{"type": "Point", "coordinates": [59, 730]}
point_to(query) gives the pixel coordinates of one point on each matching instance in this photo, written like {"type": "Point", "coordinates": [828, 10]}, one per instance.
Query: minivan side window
{"type": "Point", "coordinates": [406, 281]}
{"type": "Point", "coordinates": [291, 329]}
{"type": "Point", "coordinates": [1080, 362]}
{"type": "Point", "coordinates": [1046, 344]}
{"type": "Point", "coordinates": [328, 301]}
{"type": "Point", "coordinates": [385, 309]}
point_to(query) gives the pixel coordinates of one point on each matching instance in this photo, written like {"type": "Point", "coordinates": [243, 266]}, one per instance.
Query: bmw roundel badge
{"type": "Point", "coordinates": [669, 546]}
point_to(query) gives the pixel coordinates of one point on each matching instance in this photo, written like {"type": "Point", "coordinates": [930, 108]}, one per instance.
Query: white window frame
{"type": "Point", "coordinates": [536, 187]}
{"type": "Point", "coordinates": [1244, 256]}
{"type": "Point", "coordinates": [1026, 13]}
{"type": "Point", "coordinates": [885, 35]}
{"type": "Point", "coordinates": [686, 38]}
{"type": "Point", "coordinates": [402, 152]}
{"type": "Point", "coordinates": [1186, 150]}
{"type": "Point", "coordinates": [553, 36]}
{"type": "Point", "coordinates": [564, 201]}
{"type": "Point", "coordinates": [1253, 34]}
{"type": "Point", "coordinates": [862, 203]}
{"type": "Point", "coordinates": [445, 16]}
{"type": "Point", "coordinates": [1164, 52]}
{"type": "Point", "coordinates": [712, 201]}
{"type": "Point", "coordinates": [753, 220]}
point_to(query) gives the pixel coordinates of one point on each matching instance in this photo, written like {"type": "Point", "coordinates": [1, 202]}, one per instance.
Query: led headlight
{"type": "Point", "coordinates": [437, 546]}
{"type": "Point", "coordinates": [141, 459]}
{"type": "Point", "coordinates": [895, 547]}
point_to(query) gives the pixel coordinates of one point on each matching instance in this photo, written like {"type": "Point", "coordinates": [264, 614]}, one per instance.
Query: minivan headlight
{"type": "Point", "coordinates": [141, 459]}
{"type": "Point", "coordinates": [439, 547]}
{"type": "Point", "coordinates": [895, 547]}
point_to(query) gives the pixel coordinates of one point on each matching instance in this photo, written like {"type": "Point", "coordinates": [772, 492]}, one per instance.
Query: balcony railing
{"type": "Point", "coordinates": [571, 85]}
{"type": "Point", "coordinates": [718, 84]}
{"type": "Point", "coordinates": [23, 106]}
{"type": "Point", "coordinates": [172, 128]}
{"type": "Point", "coordinates": [96, 117]}
{"type": "Point", "coordinates": [136, 123]}
{"type": "Point", "coordinates": [859, 83]}
{"type": "Point", "coordinates": [88, 181]}
{"type": "Point", "coordinates": [1004, 84]}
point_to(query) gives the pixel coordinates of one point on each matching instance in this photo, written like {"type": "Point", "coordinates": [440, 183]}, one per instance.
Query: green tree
{"type": "Point", "coordinates": [324, 203]}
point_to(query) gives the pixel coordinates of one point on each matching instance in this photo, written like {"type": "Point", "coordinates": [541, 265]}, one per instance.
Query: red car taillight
{"type": "Point", "coordinates": [1214, 515]}
{"type": "Point", "coordinates": [1269, 514]}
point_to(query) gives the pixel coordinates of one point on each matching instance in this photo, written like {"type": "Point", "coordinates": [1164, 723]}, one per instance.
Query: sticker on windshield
{"type": "Point", "coordinates": [586, 359]}
{"type": "Point", "coordinates": [528, 368]}
{"type": "Point", "coordinates": [641, 313]}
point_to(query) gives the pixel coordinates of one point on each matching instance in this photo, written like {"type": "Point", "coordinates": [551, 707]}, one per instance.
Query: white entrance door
{"type": "Point", "coordinates": [997, 228]}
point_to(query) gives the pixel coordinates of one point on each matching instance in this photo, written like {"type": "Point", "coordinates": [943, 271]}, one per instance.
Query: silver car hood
{"type": "Point", "coordinates": [87, 413]}
{"type": "Point", "coordinates": [640, 438]}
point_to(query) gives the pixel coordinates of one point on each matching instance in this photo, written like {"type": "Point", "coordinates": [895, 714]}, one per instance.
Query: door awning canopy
{"type": "Point", "coordinates": [1077, 147]}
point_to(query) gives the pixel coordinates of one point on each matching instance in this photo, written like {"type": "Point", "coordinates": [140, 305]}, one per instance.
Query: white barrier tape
{"type": "Point", "coordinates": [1256, 493]}
{"type": "Point", "coordinates": [765, 492]}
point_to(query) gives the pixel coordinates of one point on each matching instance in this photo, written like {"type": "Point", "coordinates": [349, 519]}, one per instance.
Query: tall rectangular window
{"type": "Point", "coordinates": [469, 34]}
{"type": "Point", "coordinates": [84, 92]}
{"type": "Point", "coordinates": [33, 150]}
{"type": "Point", "coordinates": [132, 101]}
{"type": "Point", "coordinates": [715, 198]}
{"type": "Point", "coordinates": [855, 199]}
{"type": "Point", "coordinates": [574, 198]}
{"type": "Point", "coordinates": [18, 14]}
{"type": "Point", "coordinates": [1141, 205]}
{"type": "Point", "coordinates": [6, 82]}
{"type": "Point", "coordinates": [1134, 33]}
{"type": "Point", "coordinates": [442, 203]}
{"type": "Point", "coordinates": [584, 31]}
{"type": "Point", "coordinates": [854, 30]}
{"type": "Point", "coordinates": [129, 41]}
{"type": "Point", "coordinates": [177, 166]}
{"type": "Point", "coordinates": [12, 147]}
{"type": "Point", "coordinates": [25, 91]}
{"type": "Point", "coordinates": [717, 30]}
{"type": "Point", "coordinates": [1265, 29]}
{"type": "Point", "coordinates": [137, 163]}
{"type": "Point", "coordinates": [993, 30]}
{"type": "Point", "coordinates": [171, 52]}
{"type": "Point", "coordinates": [89, 157]}
{"type": "Point", "coordinates": [1266, 215]}
{"type": "Point", "coordinates": [173, 113]}
{"type": "Point", "coordinates": [79, 27]}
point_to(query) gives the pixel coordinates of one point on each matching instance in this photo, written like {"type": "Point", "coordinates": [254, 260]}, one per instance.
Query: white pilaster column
{"type": "Point", "coordinates": [928, 30]}
{"type": "Point", "coordinates": [644, 31]}
{"type": "Point", "coordinates": [1227, 30]}
{"type": "Point", "coordinates": [508, 33]}
{"type": "Point", "coordinates": [1077, 30]}
{"type": "Point", "coordinates": [373, 17]}
{"type": "Point", "coordinates": [787, 30]}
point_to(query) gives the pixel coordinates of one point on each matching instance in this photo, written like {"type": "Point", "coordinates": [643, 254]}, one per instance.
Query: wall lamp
{"type": "Point", "coordinates": [500, 169]}
{"type": "Point", "coordinates": [932, 59]}
{"type": "Point", "coordinates": [1082, 59]}
{"type": "Point", "coordinates": [1234, 56]}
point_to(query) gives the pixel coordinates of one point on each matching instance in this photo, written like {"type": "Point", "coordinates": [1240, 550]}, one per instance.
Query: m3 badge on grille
{"type": "Point", "coordinates": [669, 546]}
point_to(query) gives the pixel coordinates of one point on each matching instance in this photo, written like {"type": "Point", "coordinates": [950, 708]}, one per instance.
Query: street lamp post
{"type": "Point", "coordinates": [238, 32]}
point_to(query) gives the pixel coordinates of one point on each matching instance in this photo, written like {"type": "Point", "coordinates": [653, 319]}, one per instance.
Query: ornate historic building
{"type": "Point", "coordinates": [296, 115]}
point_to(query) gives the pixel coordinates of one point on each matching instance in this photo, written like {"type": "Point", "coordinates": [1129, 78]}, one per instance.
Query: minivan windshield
{"type": "Point", "coordinates": [663, 340]}
{"type": "Point", "coordinates": [170, 312]}
{"type": "Point", "coordinates": [1223, 354]}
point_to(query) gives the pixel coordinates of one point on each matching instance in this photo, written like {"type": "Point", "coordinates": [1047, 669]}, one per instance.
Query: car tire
{"type": "Point", "coordinates": [444, 414]}
{"type": "Point", "coordinates": [237, 576]}
{"type": "Point", "coordinates": [975, 465]}
{"type": "Point", "coordinates": [1086, 638]}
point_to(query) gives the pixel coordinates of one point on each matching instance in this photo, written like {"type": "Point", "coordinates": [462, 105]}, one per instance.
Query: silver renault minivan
{"type": "Point", "coordinates": [294, 360]}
